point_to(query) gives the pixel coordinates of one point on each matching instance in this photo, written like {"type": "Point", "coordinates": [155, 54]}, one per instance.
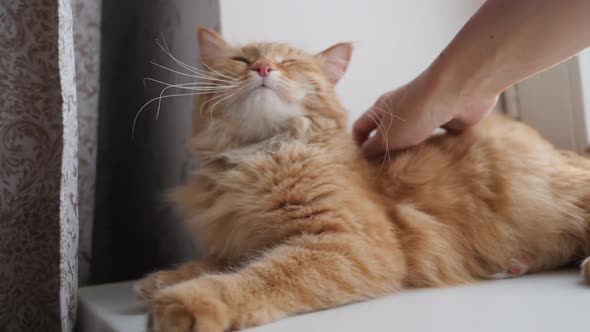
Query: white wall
{"type": "Point", "coordinates": [557, 103]}
{"type": "Point", "coordinates": [584, 63]}
{"type": "Point", "coordinates": [395, 39]}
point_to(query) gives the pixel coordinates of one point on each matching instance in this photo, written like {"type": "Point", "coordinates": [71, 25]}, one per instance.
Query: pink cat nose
{"type": "Point", "coordinates": [262, 68]}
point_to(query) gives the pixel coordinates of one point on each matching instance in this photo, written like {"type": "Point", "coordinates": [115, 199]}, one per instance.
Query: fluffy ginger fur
{"type": "Point", "coordinates": [295, 220]}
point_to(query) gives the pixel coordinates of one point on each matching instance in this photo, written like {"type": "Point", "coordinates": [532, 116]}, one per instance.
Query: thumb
{"type": "Point", "coordinates": [363, 127]}
{"type": "Point", "coordinates": [374, 146]}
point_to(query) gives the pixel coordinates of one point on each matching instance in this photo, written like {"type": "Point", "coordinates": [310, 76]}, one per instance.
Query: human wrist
{"type": "Point", "coordinates": [440, 97]}
{"type": "Point", "coordinates": [457, 90]}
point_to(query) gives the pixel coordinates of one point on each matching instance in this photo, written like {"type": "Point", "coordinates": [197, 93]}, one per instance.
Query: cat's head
{"type": "Point", "coordinates": [254, 91]}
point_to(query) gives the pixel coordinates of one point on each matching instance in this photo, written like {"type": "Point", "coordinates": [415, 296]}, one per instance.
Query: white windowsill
{"type": "Point", "coordinates": [553, 301]}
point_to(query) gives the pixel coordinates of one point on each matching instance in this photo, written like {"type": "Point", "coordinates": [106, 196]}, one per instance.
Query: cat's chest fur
{"type": "Point", "coordinates": [258, 197]}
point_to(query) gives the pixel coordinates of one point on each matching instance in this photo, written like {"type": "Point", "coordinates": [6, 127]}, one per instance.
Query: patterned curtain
{"type": "Point", "coordinates": [59, 123]}
{"type": "Point", "coordinates": [48, 106]}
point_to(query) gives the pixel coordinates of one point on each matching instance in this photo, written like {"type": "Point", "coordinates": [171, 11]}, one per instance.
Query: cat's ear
{"type": "Point", "coordinates": [335, 60]}
{"type": "Point", "coordinates": [211, 44]}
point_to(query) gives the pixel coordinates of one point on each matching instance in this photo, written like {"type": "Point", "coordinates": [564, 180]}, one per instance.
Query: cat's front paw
{"type": "Point", "coordinates": [180, 309]}
{"type": "Point", "coordinates": [146, 288]}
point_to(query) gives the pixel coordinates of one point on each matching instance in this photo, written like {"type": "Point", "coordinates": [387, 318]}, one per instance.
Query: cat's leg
{"type": "Point", "coordinates": [307, 273]}
{"type": "Point", "coordinates": [153, 282]}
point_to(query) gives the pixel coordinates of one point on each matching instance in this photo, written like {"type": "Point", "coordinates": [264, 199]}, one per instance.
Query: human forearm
{"type": "Point", "coordinates": [507, 41]}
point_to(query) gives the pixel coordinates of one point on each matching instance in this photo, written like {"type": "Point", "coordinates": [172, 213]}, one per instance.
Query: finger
{"type": "Point", "coordinates": [363, 127]}
{"type": "Point", "coordinates": [373, 147]}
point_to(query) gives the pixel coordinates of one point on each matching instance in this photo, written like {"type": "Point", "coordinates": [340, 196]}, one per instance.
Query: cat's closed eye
{"type": "Point", "coordinates": [288, 61]}
{"type": "Point", "coordinates": [241, 59]}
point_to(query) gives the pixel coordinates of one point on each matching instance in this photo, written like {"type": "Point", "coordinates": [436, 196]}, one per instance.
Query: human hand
{"type": "Point", "coordinates": [408, 115]}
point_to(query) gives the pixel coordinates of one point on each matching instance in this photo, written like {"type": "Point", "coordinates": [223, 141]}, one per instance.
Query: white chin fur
{"type": "Point", "coordinates": [262, 113]}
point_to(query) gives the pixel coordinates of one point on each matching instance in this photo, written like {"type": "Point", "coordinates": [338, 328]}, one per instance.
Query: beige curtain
{"type": "Point", "coordinates": [48, 94]}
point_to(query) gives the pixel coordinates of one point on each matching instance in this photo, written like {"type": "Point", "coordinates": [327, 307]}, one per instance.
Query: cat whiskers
{"type": "Point", "coordinates": [212, 99]}
{"type": "Point", "coordinates": [203, 87]}
{"type": "Point", "coordinates": [380, 130]}
{"type": "Point", "coordinates": [190, 68]}
{"type": "Point", "coordinates": [390, 111]}
{"type": "Point", "coordinates": [225, 98]}
{"type": "Point", "coordinates": [151, 101]}
{"type": "Point", "coordinates": [199, 90]}
{"type": "Point", "coordinates": [385, 133]}
{"type": "Point", "coordinates": [203, 75]}
{"type": "Point", "coordinates": [211, 81]}
{"type": "Point", "coordinates": [187, 85]}
{"type": "Point", "coordinates": [220, 74]}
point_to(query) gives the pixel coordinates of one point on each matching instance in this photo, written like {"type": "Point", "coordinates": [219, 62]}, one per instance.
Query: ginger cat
{"type": "Point", "coordinates": [295, 220]}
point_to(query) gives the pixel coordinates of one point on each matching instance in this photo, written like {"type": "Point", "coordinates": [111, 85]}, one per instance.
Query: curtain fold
{"type": "Point", "coordinates": [87, 32]}
{"type": "Point", "coordinates": [43, 186]}
{"type": "Point", "coordinates": [68, 221]}
{"type": "Point", "coordinates": [136, 231]}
